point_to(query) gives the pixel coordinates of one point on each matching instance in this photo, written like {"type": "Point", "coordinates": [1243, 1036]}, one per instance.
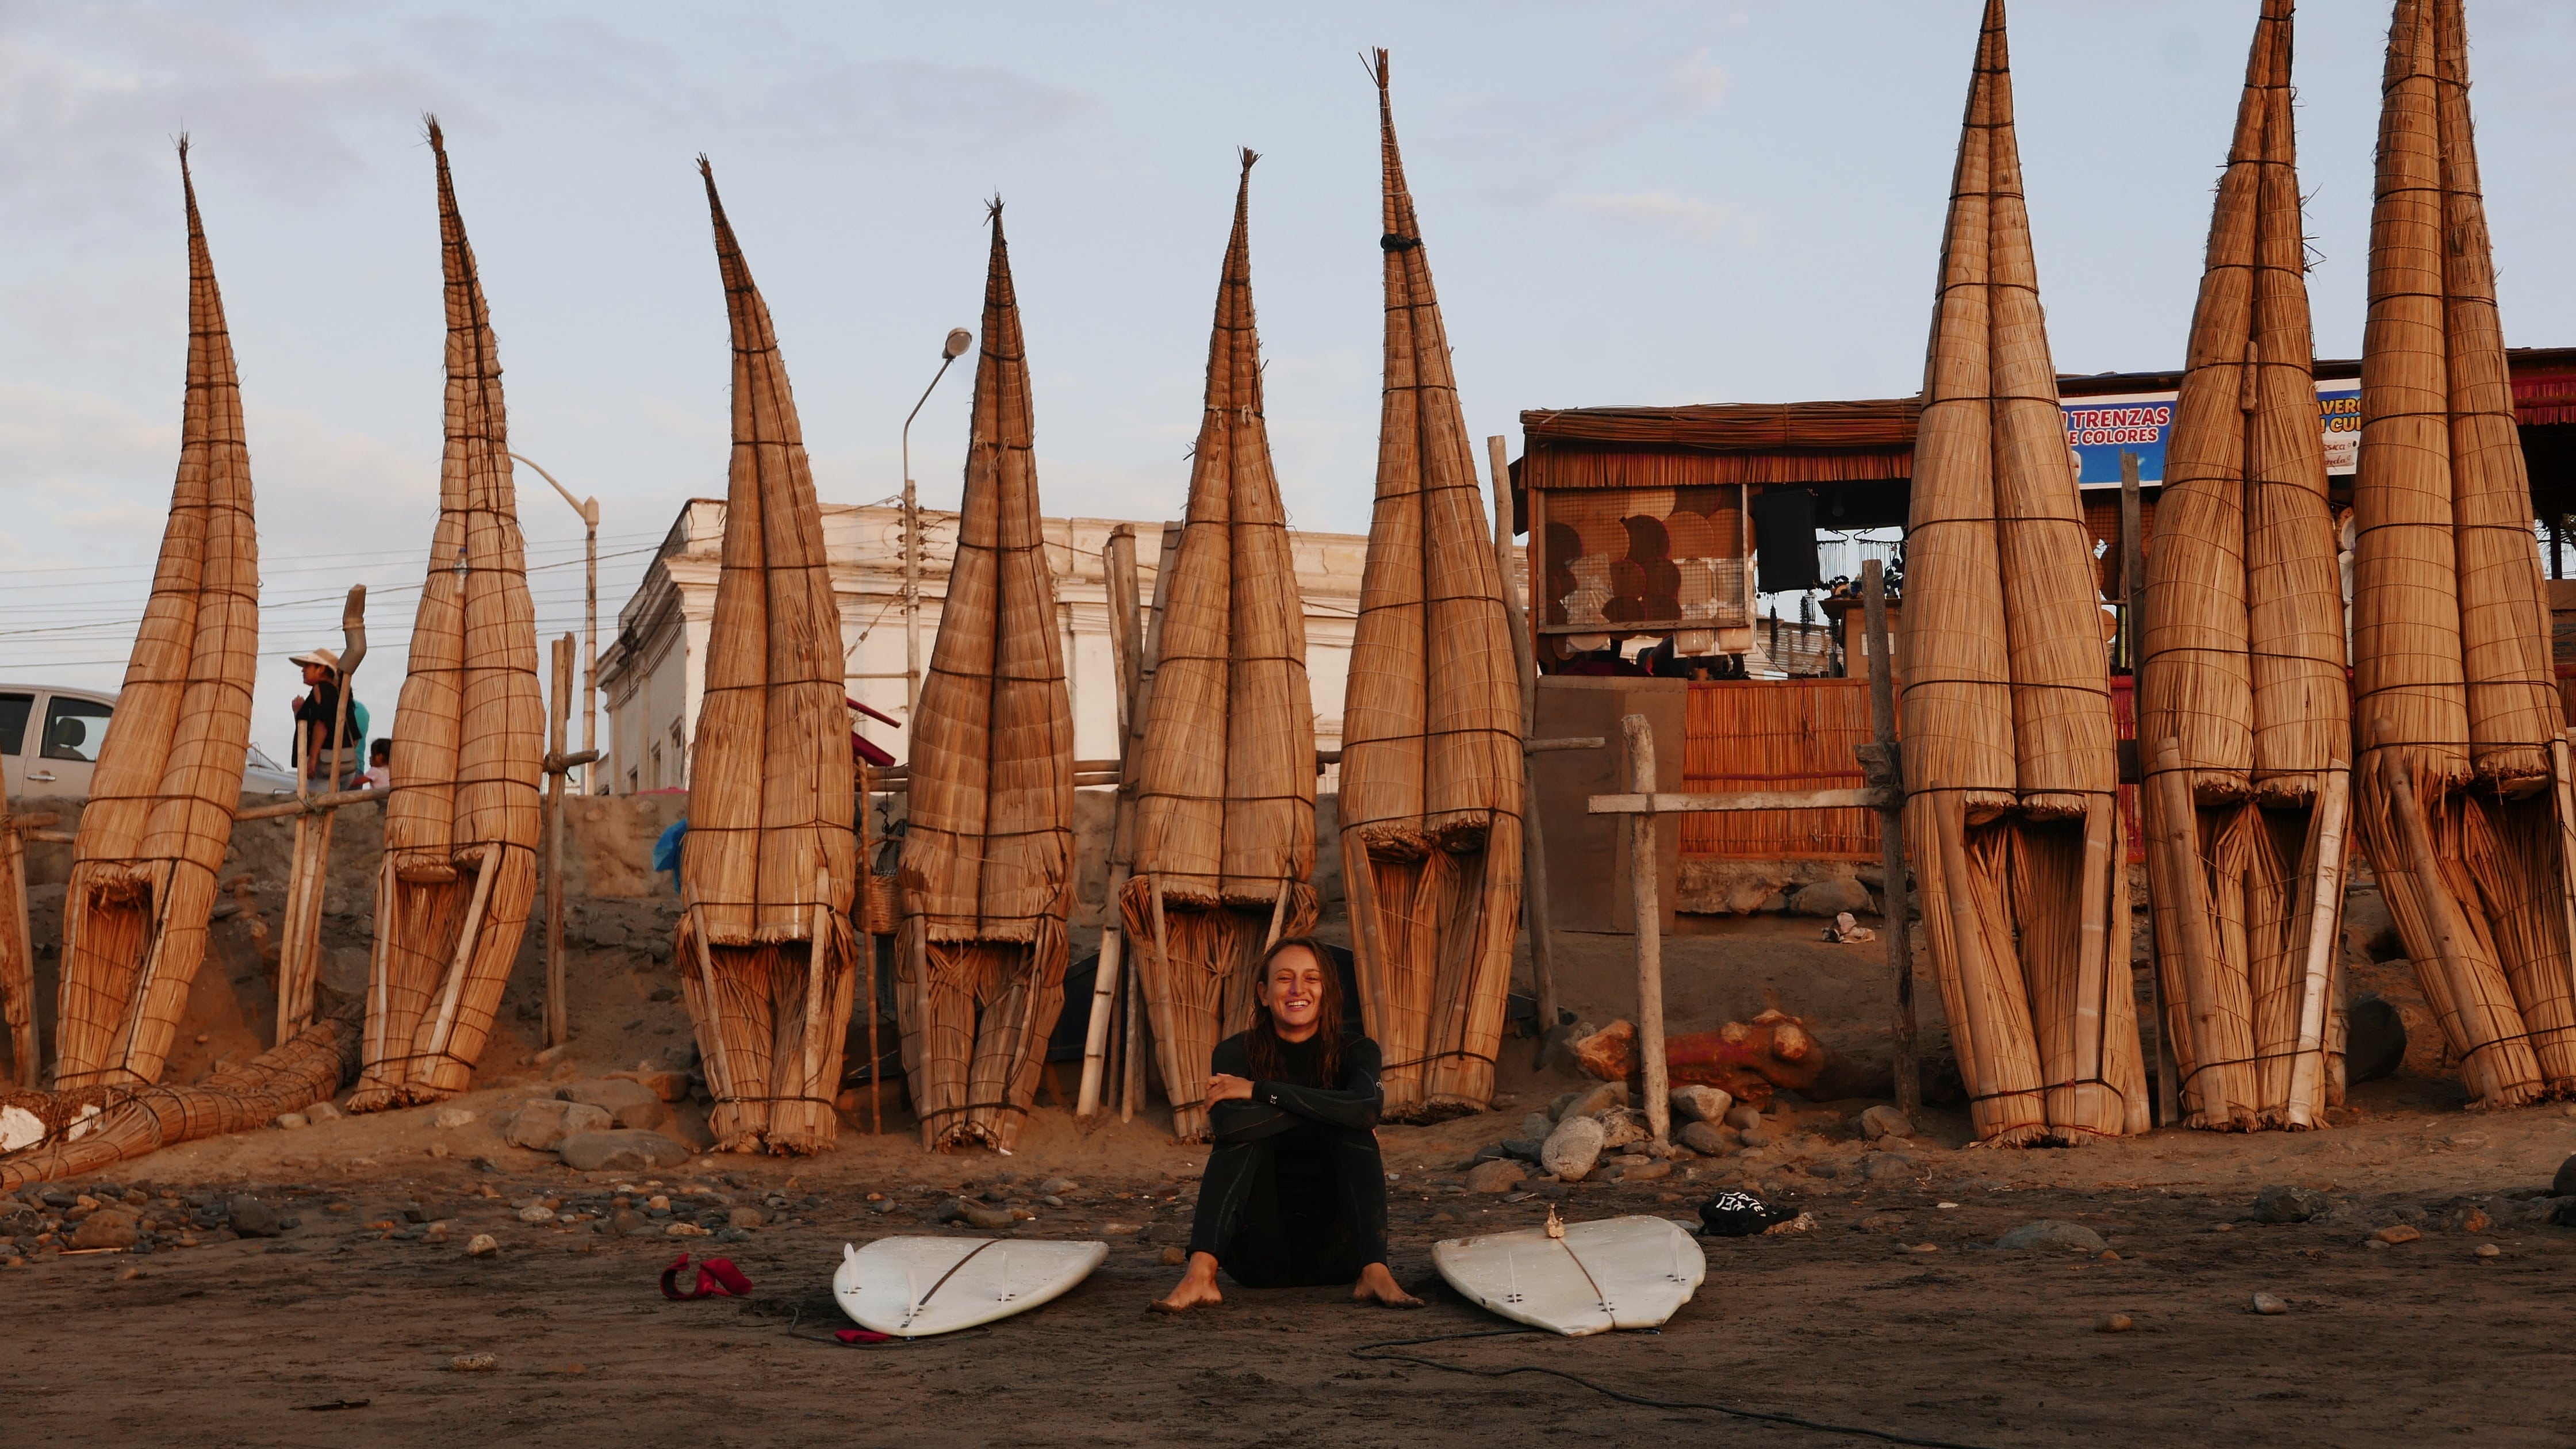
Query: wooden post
{"type": "Point", "coordinates": [299, 959]}
{"type": "Point", "coordinates": [2317, 960]}
{"type": "Point", "coordinates": [17, 956]}
{"type": "Point", "coordinates": [2133, 585]}
{"type": "Point", "coordinates": [1118, 569]}
{"type": "Point", "coordinates": [868, 944]}
{"type": "Point", "coordinates": [1650, 927]}
{"type": "Point", "coordinates": [1894, 917]}
{"type": "Point", "coordinates": [1534, 909]}
{"type": "Point", "coordinates": [558, 1019]}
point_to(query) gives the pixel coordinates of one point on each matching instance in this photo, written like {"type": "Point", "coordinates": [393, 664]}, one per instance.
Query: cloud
{"type": "Point", "coordinates": [1697, 81]}
{"type": "Point", "coordinates": [1698, 220]}
{"type": "Point", "coordinates": [85, 132]}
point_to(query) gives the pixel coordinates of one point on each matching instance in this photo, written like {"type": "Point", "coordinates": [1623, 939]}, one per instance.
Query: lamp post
{"type": "Point", "coordinates": [959, 339]}
{"type": "Point", "coordinates": [588, 508]}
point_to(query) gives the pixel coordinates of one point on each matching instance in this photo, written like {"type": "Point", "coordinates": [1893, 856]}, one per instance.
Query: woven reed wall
{"type": "Point", "coordinates": [2242, 668]}
{"type": "Point", "coordinates": [2451, 664]}
{"type": "Point", "coordinates": [1431, 757]}
{"type": "Point", "coordinates": [1571, 466]}
{"type": "Point", "coordinates": [1794, 734]}
{"type": "Point", "coordinates": [987, 873]}
{"type": "Point", "coordinates": [1225, 781]}
{"type": "Point", "coordinates": [770, 867]}
{"type": "Point", "coordinates": [2011, 821]}
{"type": "Point", "coordinates": [169, 772]}
{"type": "Point", "coordinates": [468, 737]}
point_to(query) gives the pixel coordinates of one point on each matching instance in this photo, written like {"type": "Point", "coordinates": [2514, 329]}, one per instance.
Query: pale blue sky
{"type": "Point", "coordinates": [1624, 203]}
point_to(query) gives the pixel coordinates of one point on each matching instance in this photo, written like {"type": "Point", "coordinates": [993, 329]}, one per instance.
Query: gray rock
{"type": "Point", "coordinates": [322, 1112]}
{"type": "Point", "coordinates": [542, 1125]}
{"type": "Point", "coordinates": [1754, 1137]}
{"type": "Point", "coordinates": [1828, 898]}
{"type": "Point", "coordinates": [1705, 1138]}
{"type": "Point", "coordinates": [1596, 1101]}
{"type": "Point", "coordinates": [1498, 1176]}
{"type": "Point", "coordinates": [1885, 1121]}
{"type": "Point", "coordinates": [2265, 1303]}
{"type": "Point", "coordinates": [2283, 1203]}
{"type": "Point", "coordinates": [1573, 1148]}
{"type": "Point", "coordinates": [2564, 1184]}
{"type": "Point", "coordinates": [1888, 1167]}
{"type": "Point", "coordinates": [643, 1116]}
{"type": "Point", "coordinates": [2050, 1233]}
{"type": "Point", "coordinates": [1524, 1149]}
{"type": "Point", "coordinates": [2374, 1039]}
{"type": "Point", "coordinates": [972, 1214]}
{"type": "Point", "coordinates": [1622, 1127]}
{"type": "Point", "coordinates": [745, 1217]}
{"type": "Point", "coordinates": [289, 1120]}
{"type": "Point", "coordinates": [1054, 1186]}
{"type": "Point", "coordinates": [1537, 1124]}
{"type": "Point", "coordinates": [106, 1228]}
{"type": "Point", "coordinates": [610, 1094]}
{"type": "Point", "coordinates": [620, 1149]}
{"type": "Point", "coordinates": [252, 1218]}
{"type": "Point", "coordinates": [2562, 1212]}
{"type": "Point", "coordinates": [1696, 1103]}
{"type": "Point", "coordinates": [1741, 1116]}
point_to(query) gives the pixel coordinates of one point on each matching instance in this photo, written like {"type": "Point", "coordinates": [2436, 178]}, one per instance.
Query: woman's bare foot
{"type": "Point", "coordinates": [1197, 1286]}
{"type": "Point", "coordinates": [1377, 1285]}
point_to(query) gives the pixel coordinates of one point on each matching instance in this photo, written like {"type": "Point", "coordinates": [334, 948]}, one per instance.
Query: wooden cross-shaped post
{"type": "Point", "coordinates": [1643, 804]}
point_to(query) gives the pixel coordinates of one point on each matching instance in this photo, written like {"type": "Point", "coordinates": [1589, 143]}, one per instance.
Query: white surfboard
{"type": "Point", "coordinates": [913, 1287]}
{"type": "Point", "coordinates": [1630, 1272]}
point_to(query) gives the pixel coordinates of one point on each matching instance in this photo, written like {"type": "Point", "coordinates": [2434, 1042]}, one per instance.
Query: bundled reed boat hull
{"type": "Point", "coordinates": [460, 864]}
{"type": "Point", "coordinates": [1225, 781]}
{"type": "Point", "coordinates": [2241, 682]}
{"type": "Point", "coordinates": [1431, 755]}
{"type": "Point", "coordinates": [2462, 796]}
{"type": "Point", "coordinates": [169, 772]}
{"type": "Point", "coordinates": [769, 870]}
{"type": "Point", "coordinates": [2009, 761]}
{"type": "Point", "coordinates": [986, 879]}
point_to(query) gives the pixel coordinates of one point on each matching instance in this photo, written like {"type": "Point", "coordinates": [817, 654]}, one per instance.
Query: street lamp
{"type": "Point", "coordinates": [588, 508]}
{"type": "Point", "coordinates": [959, 339]}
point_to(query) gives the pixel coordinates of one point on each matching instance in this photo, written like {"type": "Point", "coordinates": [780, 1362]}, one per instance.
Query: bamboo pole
{"type": "Point", "coordinates": [17, 956]}
{"type": "Point", "coordinates": [484, 870]}
{"type": "Point", "coordinates": [1967, 939]}
{"type": "Point", "coordinates": [1534, 903]}
{"type": "Point", "coordinates": [299, 960]}
{"type": "Point", "coordinates": [558, 1015]}
{"type": "Point", "coordinates": [2317, 961]}
{"type": "Point", "coordinates": [2182, 875]}
{"type": "Point", "coordinates": [1894, 918]}
{"type": "Point", "coordinates": [2133, 584]}
{"type": "Point", "coordinates": [1148, 659]}
{"type": "Point", "coordinates": [2426, 865]}
{"type": "Point", "coordinates": [1650, 928]}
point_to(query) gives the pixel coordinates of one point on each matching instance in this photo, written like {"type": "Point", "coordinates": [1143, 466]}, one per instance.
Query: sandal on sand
{"type": "Point", "coordinates": [717, 1277]}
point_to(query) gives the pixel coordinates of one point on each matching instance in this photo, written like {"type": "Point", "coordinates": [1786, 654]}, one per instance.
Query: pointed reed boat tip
{"type": "Point", "coordinates": [1248, 156]}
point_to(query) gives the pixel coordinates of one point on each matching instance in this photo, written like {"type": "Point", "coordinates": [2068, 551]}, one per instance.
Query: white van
{"type": "Point", "coordinates": [49, 739]}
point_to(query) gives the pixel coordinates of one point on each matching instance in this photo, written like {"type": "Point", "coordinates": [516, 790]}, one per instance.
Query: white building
{"type": "Point", "coordinates": [655, 671]}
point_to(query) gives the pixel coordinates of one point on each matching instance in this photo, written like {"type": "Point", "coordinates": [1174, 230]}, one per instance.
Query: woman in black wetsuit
{"type": "Point", "coordinates": [1295, 1192]}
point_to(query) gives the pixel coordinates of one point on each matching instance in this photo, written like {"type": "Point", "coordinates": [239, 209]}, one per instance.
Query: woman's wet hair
{"type": "Point", "coordinates": [1262, 1045]}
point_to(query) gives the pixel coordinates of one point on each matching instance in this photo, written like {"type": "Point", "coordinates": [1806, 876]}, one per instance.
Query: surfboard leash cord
{"type": "Point", "coordinates": [1382, 1352]}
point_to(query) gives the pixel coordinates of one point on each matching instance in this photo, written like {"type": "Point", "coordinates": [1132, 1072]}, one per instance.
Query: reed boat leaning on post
{"type": "Point", "coordinates": [461, 822]}
{"type": "Point", "coordinates": [2244, 726]}
{"type": "Point", "coordinates": [2010, 767]}
{"type": "Point", "coordinates": [169, 773]}
{"type": "Point", "coordinates": [1225, 828]}
{"type": "Point", "coordinates": [986, 881]}
{"type": "Point", "coordinates": [2462, 796]}
{"type": "Point", "coordinates": [1431, 753]}
{"type": "Point", "coordinates": [769, 869]}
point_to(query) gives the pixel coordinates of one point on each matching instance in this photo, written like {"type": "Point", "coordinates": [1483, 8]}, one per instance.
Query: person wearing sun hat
{"type": "Point", "coordinates": [317, 716]}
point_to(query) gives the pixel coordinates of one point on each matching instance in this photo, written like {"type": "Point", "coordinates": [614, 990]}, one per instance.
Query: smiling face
{"type": "Point", "coordinates": [1292, 991]}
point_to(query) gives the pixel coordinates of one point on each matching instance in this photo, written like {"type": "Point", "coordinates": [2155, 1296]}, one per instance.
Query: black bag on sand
{"type": "Point", "coordinates": [1733, 1214]}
